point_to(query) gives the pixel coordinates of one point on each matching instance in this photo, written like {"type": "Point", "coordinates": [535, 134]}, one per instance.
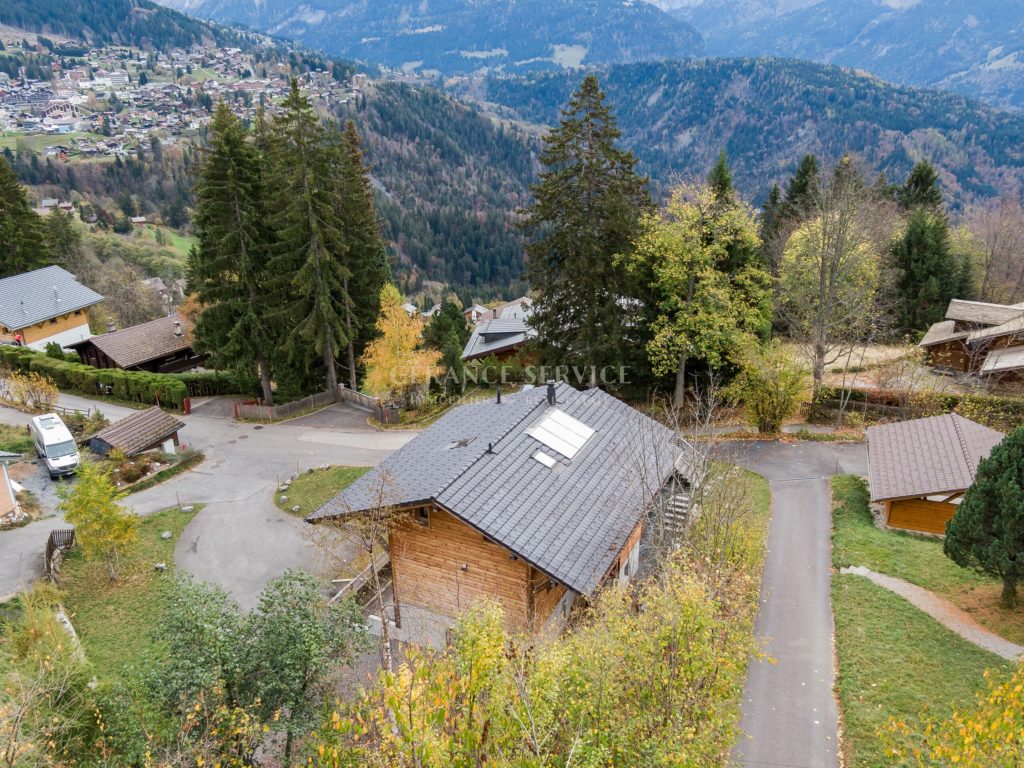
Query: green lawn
{"type": "Point", "coordinates": [39, 142]}
{"type": "Point", "coordinates": [895, 661]}
{"type": "Point", "coordinates": [179, 244]}
{"type": "Point", "coordinates": [315, 487]}
{"type": "Point", "coordinates": [856, 541]}
{"type": "Point", "coordinates": [14, 439]}
{"type": "Point", "coordinates": [115, 620]}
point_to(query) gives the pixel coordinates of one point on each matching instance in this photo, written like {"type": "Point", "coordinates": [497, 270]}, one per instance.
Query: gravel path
{"type": "Point", "coordinates": [944, 612]}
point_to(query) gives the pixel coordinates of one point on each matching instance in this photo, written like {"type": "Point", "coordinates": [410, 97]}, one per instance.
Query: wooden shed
{"type": "Point", "coordinates": [146, 430]}
{"type": "Point", "coordinates": [919, 470]}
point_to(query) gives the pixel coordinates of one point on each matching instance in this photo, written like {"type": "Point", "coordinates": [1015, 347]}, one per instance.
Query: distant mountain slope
{"type": "Point", "coordinates": [138, 23]}
{"type": "Point", "coordinates": [973, 47]}
{"type": "Point", "coordinates": [458, 36]}
{"type": "Point", "coordinates": [677, 116]}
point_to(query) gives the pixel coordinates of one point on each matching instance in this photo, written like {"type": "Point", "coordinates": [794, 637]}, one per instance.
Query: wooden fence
{"type": "Point", "coordinates": [58, 540]}
{"type": "Point", "coordinates": [257, 412]}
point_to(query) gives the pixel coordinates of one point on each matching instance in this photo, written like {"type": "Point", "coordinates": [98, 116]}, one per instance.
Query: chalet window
{"type": "Point", "coordinates": [423, 516]}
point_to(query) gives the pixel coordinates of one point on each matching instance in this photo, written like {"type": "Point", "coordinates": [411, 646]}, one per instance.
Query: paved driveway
{"type": "Point", "coordinates": [240, 540]}
{"type": "Point", "coordinates": [789, 714]}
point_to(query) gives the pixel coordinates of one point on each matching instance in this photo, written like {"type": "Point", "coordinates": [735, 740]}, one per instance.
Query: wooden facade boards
{"type": "Point", "coordinates": [921, 515]}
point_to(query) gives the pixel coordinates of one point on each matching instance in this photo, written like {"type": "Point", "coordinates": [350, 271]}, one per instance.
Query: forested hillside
{"type": "Point", "coordinates": [767, 113]}
{"type": "Point", "coordinates": [137, 23]}
{"type": "Point", "coordinates": [462, 36]}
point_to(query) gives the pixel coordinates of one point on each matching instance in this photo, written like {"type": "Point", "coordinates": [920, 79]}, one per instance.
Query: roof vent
{"type": "Point", "coordinates": [551, 393]}
{"type": "Point", "coordinates": [56, 294]}
{"type": "Point", "coordinates": [110, 326]}
{"type": "Point", "coordinates": [177, 327]}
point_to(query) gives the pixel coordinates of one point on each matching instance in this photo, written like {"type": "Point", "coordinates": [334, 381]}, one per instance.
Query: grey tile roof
{"type": "Point", "coordinates": [923, 457]}
{"type": "Point", "coordinates": [32, 297]}
{"type": "Point", "coordinates": [981, 312]}
{"type": "Point", "coordinates": [493, 336]}
{"type": "Point", "coordinates": [942, 332]}
{"type": "Point", "coordinates": [137, 432]}
{"type": "Point", "coordinates": [1009, 328]}
{"type": "Point", "coordinates": [141, 343]}
{"type": "Point", "coordinates": [1003, 360]}
{"type": "Point", "coordinates": [569, 521]}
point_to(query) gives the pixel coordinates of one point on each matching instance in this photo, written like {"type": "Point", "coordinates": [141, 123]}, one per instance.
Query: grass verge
{"type": "Point", "coordinates": [896, 661]}
{"type": "Point", "coordinates": [115, 619]}
{"type": "Point", "coordinates": [14, 439]}
{"type": "Point", "coordinates": [315, 487]}
{"type": "Point", "coordinates": [921, 561]}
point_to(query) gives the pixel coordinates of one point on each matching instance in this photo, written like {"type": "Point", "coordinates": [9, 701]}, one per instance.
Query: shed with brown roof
{"type": "Point", "coordinates": [163, 345]}
{"type": "Point", "coordinates": [143, 431]}
{"type": "Point", "coordinates": [920, 469]}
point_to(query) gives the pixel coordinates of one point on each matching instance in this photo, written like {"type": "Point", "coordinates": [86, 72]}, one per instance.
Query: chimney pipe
{"type": "Point", "coordinates": [497, 391]}
{"type": "Point", "coordinates": [177, 327]}
{"type": "Point", "coordinates": [490, 447]}
{"type": "Point", "coordinates": [551, 393]}
{"type": "Point", "coordinates": [110, 326]}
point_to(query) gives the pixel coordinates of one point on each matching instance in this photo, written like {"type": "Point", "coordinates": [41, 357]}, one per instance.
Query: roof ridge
{"type": "Point", "coordinates": [963, 441]}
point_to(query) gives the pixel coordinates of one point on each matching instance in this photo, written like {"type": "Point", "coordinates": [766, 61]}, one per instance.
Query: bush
{"type": "Point", "coordinates": [54, 350]}
{"type": "Point", "coordinates": [770, 384]}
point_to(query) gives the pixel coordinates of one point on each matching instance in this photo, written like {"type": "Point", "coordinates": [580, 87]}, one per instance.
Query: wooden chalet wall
{"type": "Point", "coordinates": [427, 568]}
{"type": "Point", "coordinates": [952, 354]}
{"type": "Point", "coordinates": [47, 328]}
{"type": "Point", "coordinates": [919, 515]}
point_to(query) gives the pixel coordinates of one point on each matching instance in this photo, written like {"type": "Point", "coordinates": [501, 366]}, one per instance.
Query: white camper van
{"type": "Point", "coordinates": [54, 445]}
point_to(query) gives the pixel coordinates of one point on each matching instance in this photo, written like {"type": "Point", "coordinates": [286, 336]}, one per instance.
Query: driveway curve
{"type": "Point", "coordinates": [789, 714]}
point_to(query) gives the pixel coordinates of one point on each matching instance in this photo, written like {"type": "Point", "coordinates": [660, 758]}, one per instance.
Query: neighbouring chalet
{"type": "Point", "coordinates": [978, 337]}
{"type": "Point", "coordinates": [10, 510]}
{"type": "Point", "coordinates": [163, 345]}
{"type": "Point", "coordinates": [919, 469]}
{"type": "Point", "coordinates": [43, 306]}
{"type": "Point", "coordinates": [142, 431]}
{"type": "Point", "coordinates": [533, 500]}
{"type": "Point", "coordinates": [501, 331]}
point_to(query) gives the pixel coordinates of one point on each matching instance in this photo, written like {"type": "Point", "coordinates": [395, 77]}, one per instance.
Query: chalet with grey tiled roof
{"type": "Point", "coordinates": [43, 306]}
{"type": "Point", "coordinates": [918, 470]}
{"type": "Point", "coordinates": [532, 500]}
{"type": "Point", "coordinates": [978, 337]}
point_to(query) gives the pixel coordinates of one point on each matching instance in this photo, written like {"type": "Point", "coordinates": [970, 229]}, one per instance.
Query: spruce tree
{"type": "Point", "coordinates": [987, 529]}
{"type": "Point", "coordinates": [229, 269]}
{"type": "Point", "coordinates": [586, 210]}
{"type": "Point", "coordinates": [802, 190]}
{"type": "Point", "coordinates": [921, 188]}
{"type": "Point", "coordinates": [309, 249]}
{"type": "Point", "coordinates": [928, 273]}
{"type": "Point", "coordinates": [720, 180]}
{"type": "Point", "coordinates": [23, 241]}
{"type": "Point", "coordinates": [365, 255]}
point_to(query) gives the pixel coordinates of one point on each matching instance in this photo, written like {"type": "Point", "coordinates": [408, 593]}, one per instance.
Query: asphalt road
{"type": "Point", "coordinates": [240, 540]}
{"type": "Point", "coordinates": [789, 714]}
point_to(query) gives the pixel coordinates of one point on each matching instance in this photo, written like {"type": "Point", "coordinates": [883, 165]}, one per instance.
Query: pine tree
{"type": "Point", "coordinates": [802, 190]}
{"type": "Point", "coordinates": [586, 209]}
{"type": "Point", "coordinates": [366, 257]}
{"type": "Point", "coordinates": [987, 529]}
{"type": "Point", "coordinates": [720, 180]}
{"type": "Point", "coordinates": [928, 273]}
{"type": "Point", "coordinates": [921, 188]}
{"type": "Point", "coordinates": [229, 269]}
{"type": "Point", "coordinates": [23, 241]}
{"type": "Point", "coordinates": [310, 248]}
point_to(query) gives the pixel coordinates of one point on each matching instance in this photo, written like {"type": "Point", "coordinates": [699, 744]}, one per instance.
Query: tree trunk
{"type": "Point", "coordinates": [261, 363]}
{"type": "Point", "coordinates": [680, 393]}
{"type": "Point", "coordinates": [1009, 598]}
{"type": "Point", "coordinates": [351, 340]}
{"type": "Point", "coordinates": [330, 365]}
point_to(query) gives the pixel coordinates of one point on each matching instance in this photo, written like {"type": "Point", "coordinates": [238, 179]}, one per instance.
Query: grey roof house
{"type": "Point", "coordinates": [531, 501]}
{"type": "Point", "coordinates": [43, 306]}
{"type": "Point", "coordinates": [139, 432]}
{"type": "Point", "coordinates": [919, 469]}
{"type": "Point", "coordinates": [978, 337]}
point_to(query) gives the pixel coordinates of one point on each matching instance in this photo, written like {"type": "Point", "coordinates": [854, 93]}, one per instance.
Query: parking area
{"type": "Point", "coordinates": [344, 417]}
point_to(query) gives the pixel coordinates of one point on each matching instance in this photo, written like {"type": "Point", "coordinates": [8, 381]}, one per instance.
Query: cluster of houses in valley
{"type": "Point", "coordinates": [118, 97]}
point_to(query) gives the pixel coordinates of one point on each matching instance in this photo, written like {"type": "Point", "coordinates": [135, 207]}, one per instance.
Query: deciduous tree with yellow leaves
{"type": "Point", "coordinates": [397, 365]}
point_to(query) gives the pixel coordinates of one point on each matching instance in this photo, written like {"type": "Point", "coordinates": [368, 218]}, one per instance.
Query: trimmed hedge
{"type": "Point", "coordinates": [167, 389]}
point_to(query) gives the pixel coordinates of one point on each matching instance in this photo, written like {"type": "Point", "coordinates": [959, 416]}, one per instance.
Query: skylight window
{"type": "Point", "coordinates": [561, 432]}
{"type": "Point", "coordinates": [543, 458]}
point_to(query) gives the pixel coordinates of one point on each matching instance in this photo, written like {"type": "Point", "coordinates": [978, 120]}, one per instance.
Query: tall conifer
{"type": "Point", "coordinates": [586, 210]}
{"type": "Point", "coordinates": [23, 240]}
{"type": "Point", "coordinates": [228, 270]}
